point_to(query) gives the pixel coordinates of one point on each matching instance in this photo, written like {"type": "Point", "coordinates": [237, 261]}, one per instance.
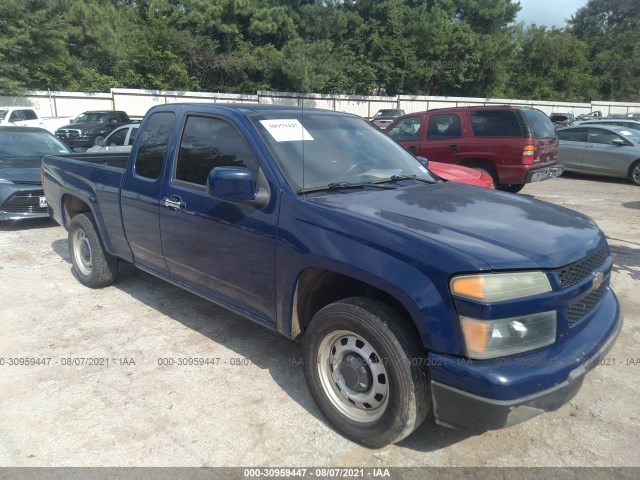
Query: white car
{"type": "Point", "coordinates": [119, 141]}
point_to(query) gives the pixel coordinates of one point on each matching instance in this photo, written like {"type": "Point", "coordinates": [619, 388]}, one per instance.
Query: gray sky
{"type": "Point", "coordinates": [548, 12]}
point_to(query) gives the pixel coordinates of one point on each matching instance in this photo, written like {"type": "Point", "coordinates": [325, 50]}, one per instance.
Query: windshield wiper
{"type": "Point", "coordinates": [342, 185]}
{"type": "Point", "coordinates": [395, 178]}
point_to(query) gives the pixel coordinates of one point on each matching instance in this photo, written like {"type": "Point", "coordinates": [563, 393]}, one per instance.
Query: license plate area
{"type": "Point", "coordinates": [43, 202]}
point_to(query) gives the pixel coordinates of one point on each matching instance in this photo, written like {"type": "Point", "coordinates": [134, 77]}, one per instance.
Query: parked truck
{"type": "Point", "coordinates": [90, 128]}
{"type": "Point", "coordinates": [412, 296]}
{"type": "Point", "coordinates": [28, 117]}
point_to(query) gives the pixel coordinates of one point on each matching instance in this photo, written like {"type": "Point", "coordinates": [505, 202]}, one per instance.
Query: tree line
{"type": "Point", "coordinates": [381, 47]}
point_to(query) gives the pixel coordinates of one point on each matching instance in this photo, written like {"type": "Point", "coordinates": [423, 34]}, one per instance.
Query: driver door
{"type": "Point", "coordinates": [223, 249]}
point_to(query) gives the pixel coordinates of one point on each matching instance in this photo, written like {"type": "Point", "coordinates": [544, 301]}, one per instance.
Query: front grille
{"type": "Point", "coordinates": [578, 271]}
{"type": "Point", "coordinates": [579, 309]}
{"type": "Point", "coordinates": [24, 203]}
{"type": "Point", "coordinates": [67, 133]}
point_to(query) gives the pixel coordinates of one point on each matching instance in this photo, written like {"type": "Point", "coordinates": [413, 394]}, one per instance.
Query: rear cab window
{"type": "Point", "coordinates": [153, 145]}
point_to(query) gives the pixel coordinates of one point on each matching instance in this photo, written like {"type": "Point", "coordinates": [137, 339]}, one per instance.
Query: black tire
{"type": "Point", "coordinates": [92, 265]}
{"type": "Point", "coordinates": [396, 387]}
{"type": "Point", "coordinates": [634, 173]}
{"type": "Point", "coordinates": [515, 188]}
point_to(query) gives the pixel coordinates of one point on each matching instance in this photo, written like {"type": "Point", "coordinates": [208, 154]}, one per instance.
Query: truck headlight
{"type": "Point", "coordinates": [486, 339]}
{"type": "Point", "coordinates": [497, 287]}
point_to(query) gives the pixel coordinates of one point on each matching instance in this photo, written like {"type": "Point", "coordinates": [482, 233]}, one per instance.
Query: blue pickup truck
{"type": "Point", "coordinates": [412, 296]}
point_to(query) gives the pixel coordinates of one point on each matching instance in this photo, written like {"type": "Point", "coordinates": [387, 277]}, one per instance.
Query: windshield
{"type": "Point", "coordinates": [389, 113]}
{"type": "Point", "coordinates": [30, 144]}
{"type": "Point", "coordinates": [336, 149]}
{"type": "Point", "coordinates": [90, 117]}
{"type": "Point", "coordinates": [633, 135]}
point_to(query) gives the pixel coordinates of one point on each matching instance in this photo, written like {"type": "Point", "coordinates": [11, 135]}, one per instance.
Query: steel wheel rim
{"type": "Point", "coordinates": [336, 354]}
{"type": "Point", "coordinates": [82, 252]}
{"type": "Point", "coordinates": [635, 175]}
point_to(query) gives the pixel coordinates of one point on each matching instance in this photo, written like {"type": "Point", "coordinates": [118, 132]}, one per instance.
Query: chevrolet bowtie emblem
{"type": "Point", "coordinates": [598, 278]}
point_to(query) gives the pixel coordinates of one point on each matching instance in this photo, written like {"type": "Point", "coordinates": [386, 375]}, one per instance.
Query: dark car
{"type": "Point", "coordinates": [21, 152]}
{"type": "Point", "coordinates": [89, 128]}
{"type": "Point", "coordinates": [385, 117]}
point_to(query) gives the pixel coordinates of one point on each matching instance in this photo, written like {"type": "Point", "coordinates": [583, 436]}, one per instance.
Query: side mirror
{"type": "Point", "coordinates": [100, 142]}
{"type": "Point", "coordinates": [618, 142]}
{"type": "Point", "coordinates": [235, 184]}
{"type": "Point", "coordinates": [424, 161]}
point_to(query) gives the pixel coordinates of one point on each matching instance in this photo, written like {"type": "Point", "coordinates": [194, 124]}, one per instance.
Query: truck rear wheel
{"type": "Point", "coordinates": [92, 265]}
{"type": "Point", "coordinates": [365, 370]}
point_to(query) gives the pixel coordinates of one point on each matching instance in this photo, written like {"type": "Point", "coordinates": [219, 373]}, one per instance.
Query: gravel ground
{"type": "Point", "coordinates": [251, 407]}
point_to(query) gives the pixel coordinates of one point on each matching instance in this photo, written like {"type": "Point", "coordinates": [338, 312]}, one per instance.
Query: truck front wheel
{"type": "Point", "coordinates": [366, 370]}
{"type": "Point", "coordinates": [93, 266]}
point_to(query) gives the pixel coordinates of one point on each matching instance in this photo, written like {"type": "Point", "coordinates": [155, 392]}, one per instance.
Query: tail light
{"type": "Point", "coordinates": [528, 153]}
{"type": "Point", "coordinates": [42, 174]}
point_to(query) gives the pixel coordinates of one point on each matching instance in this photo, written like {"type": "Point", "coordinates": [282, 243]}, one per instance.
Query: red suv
{"type": "Point", "coordinates": [512, 144]}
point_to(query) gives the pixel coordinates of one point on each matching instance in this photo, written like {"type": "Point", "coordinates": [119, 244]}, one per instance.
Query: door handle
{"type": "Point", "coordinates": [412, 148]}
{"type": "Point", "coordinates": [454, 148]}
{"type": "Point", "coordinates": [174, 203]}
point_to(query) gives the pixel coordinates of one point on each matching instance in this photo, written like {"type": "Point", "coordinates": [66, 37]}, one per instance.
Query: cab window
{"type": "Point", "coordinates": [208, 143]}
{"type": "Point", "coordinates": [573, 135]}
{"type": "Point", "coordinates": [117, 138]}
{"type": "Point", "coordinates": [444, 127]}
{"type": "Point", "coordinates": [406, 129]}
{"type": "Point", "coordinates": [598, 135]}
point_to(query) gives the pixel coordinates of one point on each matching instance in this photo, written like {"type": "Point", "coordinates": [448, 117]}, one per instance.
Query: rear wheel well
{"type": "Point", "coordinates": [73, 206]}
{"type": "Point", "coordinates": [318, 288]}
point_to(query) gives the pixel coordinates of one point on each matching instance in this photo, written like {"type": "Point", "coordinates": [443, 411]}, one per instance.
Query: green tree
{"type": "Point", "coordinates": [550, 65]}
{"type": "Point", "coordinates": [611, 30]}
{"type": "Point", "coordinates": [33, 48]}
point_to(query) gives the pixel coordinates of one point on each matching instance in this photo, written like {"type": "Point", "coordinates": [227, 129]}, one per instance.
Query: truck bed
{"type": "Point", "coordinates": [95, 179]}
{"type": "Point", "coordinates": [115, 160]}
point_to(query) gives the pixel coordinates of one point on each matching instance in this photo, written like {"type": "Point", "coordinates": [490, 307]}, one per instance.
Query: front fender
{"type": "Point", "coordinates": [410, 268]}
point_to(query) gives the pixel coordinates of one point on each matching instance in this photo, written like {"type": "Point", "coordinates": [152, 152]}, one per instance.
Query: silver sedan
{"type": "Point", "coordinates": [601, 150]}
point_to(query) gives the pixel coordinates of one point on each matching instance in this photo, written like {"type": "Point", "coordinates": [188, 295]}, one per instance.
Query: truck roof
{"type": "Point", "coordinates": [250, 107]}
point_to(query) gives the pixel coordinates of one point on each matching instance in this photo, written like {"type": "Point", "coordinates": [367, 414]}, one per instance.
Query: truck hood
{"type": "Point", "coordinates": [84, 126]}
{"type": "Point", "coordinates": [21, 169]}
{"type": "Point", "coordinates": [504, 230]}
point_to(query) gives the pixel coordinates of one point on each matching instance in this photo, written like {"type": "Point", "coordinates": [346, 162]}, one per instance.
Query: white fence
{"type": "Point", "coordinates": [137, 102]}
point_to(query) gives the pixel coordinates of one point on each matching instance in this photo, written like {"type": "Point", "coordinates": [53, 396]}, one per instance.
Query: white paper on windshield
{"type": "Point", "coordinates": [626, 132]}
{"type": "Point", "coordinates": [284, 130]}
